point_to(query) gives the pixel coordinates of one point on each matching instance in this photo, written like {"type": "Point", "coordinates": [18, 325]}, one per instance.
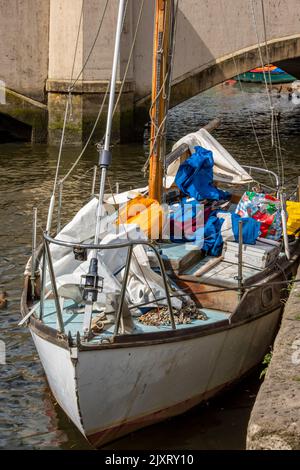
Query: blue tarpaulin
{"type": "Point", "coordinates": [213, 240]}
{"type": "Point", "coordinates": [195, 177]}
{"type": "Point", "coordinates": [251, 229]}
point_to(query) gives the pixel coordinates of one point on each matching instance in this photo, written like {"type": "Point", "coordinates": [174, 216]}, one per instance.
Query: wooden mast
{"type": "Point", "coordinates": [160, 93]}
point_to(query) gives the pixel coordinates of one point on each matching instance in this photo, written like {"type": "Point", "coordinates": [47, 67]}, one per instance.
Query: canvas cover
{"type": "Point", "coordinates": [195, 177]}
{"type": "Point", "coordinates": [226, 168]}
{"type": "Point", "coordinates": [144, 285]}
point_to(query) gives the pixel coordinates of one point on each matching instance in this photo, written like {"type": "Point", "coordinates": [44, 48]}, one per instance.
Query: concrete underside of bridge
{"type": "Point", "coordinates": [58, 44]}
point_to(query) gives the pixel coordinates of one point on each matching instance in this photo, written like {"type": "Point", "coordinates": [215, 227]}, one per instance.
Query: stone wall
{"type": "Point", "coordinates": [275, 419]}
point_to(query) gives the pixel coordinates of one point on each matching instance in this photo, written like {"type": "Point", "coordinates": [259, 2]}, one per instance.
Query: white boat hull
{"type": "Point", "coordinates": [110, 392]}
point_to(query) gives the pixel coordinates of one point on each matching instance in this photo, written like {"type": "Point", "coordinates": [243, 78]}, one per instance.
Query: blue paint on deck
{"type": "Point", "coordinates": [175, 251]}
{"type": "Point", "coordinates": [73, 321]}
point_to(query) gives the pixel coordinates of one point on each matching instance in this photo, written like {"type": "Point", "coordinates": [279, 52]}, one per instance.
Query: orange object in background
{"type": "Point", "coordinates": [266, 68]}
{"type": "Point", "coordinates": [145, 212]}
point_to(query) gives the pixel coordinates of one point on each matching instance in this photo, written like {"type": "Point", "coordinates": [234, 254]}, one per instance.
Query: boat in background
{"type": "Point", "coordinates": [271, 73]}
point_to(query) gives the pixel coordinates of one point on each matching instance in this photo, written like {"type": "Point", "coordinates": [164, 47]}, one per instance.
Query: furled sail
{"type": "Point", "coordinates": [226, 168]}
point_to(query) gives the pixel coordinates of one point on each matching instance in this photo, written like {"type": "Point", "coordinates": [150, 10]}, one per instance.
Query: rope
{"type": "Point", "coordinates": [145, 167]}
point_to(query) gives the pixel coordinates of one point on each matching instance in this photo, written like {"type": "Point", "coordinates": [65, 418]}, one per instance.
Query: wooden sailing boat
{"type": "Point", "coordinates": [110, 372]}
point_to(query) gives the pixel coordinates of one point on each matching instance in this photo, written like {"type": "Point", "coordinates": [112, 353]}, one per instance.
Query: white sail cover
{"type": "Point", "coordinates": [144, 285]}
{"type": "Point", "coordinates": [226, 168]}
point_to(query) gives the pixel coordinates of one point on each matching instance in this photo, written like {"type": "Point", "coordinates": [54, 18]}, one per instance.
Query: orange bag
{"type": "Point", "coordinates": [145, 212]}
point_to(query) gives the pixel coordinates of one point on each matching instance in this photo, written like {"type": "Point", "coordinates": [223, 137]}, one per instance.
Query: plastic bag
{"type": "Point", "coordinates": [265, 209]}
{"type": "Point", "coordinates": [293, 223]}
{"type": "Point", "coordinates": [145, 212]}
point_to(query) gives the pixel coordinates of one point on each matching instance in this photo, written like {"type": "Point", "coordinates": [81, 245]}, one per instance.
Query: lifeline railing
{"type": "Point", "coordinates": [82, 246]}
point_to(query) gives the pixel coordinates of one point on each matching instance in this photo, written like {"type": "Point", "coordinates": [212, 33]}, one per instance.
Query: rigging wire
{"type": "Point", "coordinates": [225, 289]}
{"type": "Point", "coordinates": [274, 126]}
{"type": "Point", "coordinates": [251, 115]}
{"type": "Point", "coordinates": [269, 71]}
{"type": "Point", "coordinates": [130, 56]}
{"type": "Point", "coordinates": [72, 85]}
{"type": "Point", "coordinates": [173, 49]}
{"type": "Point", "coordinates": [89, 138]}
{"type": "Point", "coordinates": [69, 98]}
{"type": "Point", "coordinates": [77, 42]}
{"type": "Point", "coordinates": [107, 89]}
{"type": "Point", "coordinates": [74, 60]}
{"type": "Point", "coordinates": [269, 96]}
{"type": "Point", "coordinates": [249, 112]}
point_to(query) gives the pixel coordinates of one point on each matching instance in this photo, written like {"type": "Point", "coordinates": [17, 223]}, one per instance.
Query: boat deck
{"type": "Point", "coordinates": [73, 320]}
{"type": "Point", "coordinates": [224, 270]}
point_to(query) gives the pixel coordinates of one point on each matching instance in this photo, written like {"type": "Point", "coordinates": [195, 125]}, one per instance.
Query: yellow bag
{"type": "Point", "coordinates": [145, 212]}
{"type": "Point", "coordinates": [293, 222]}
{"type": "Point", "coordinates": [134, 207]}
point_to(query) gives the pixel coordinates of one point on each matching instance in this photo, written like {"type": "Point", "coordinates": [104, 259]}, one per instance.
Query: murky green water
{"type": "Point", "coordinates": [29, 417]}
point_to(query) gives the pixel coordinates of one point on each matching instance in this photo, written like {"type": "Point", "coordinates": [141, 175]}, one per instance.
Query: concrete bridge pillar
{"type": "Point", "coordinates": [80, 57]}
{"type": "Point", "coordinates": [215, 40]}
